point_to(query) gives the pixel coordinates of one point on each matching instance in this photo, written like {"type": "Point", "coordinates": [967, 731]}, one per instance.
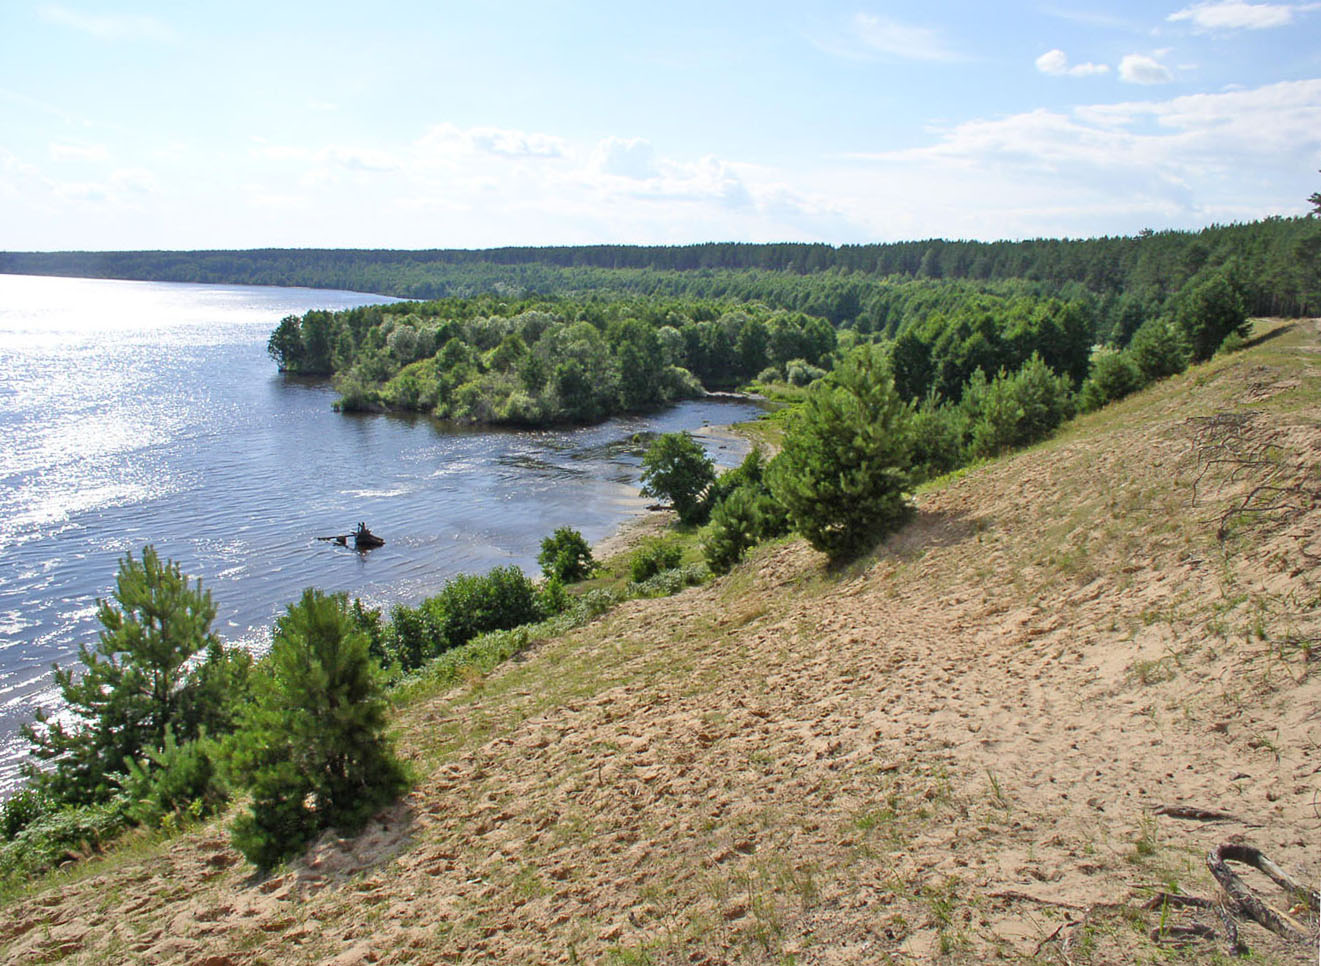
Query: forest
{"type": "Point", "coordinates": [1278, 261]}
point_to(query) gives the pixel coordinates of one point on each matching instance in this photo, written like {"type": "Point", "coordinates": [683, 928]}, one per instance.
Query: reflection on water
{"type": "Point", "coordinates": [137, 413]}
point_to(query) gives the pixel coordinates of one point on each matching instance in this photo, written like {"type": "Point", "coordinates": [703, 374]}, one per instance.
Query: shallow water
{"type": "Point", "coordinates": [139, 413]}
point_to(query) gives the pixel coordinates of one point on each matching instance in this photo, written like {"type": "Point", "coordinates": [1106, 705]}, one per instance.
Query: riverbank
{"type": "Point", "coordinates": [1001, 735]}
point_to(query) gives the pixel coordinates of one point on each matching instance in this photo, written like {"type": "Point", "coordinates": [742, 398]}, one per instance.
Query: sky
{"type": "Point", "coordinates": [395, 124]}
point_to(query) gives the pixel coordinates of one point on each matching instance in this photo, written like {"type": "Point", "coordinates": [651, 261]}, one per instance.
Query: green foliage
{"type": "Point", "coordinates": [313, 749]}
{"type": "Point", "coordinates": [735, 526]}
{"type": "Point", "coordinates": [844, 469]}
{"type": "Point", "coordinates": [800, 372]}
{"type": "Point", "coordinates": [179, 779]}
{"type": "Point", "coordinates": [744, 514]}
{"type": "Point", "coordinates": [565, 556]}
{"type": "Point", "coordinates": [1015, 409]}
{"type": "Point", "coordinates": [21, 809]}
{"type": "Point", "coordinates": [136, 685]}
{"type": "Point", "coordinates": [676, 468]}
{"type": "Point", "coordinates": [669, 582]}
{"type": "Point", "coordinates": [70, 831]}
{"type": "Point", "coordinates": [1207, 310]}
{"type": "Point", "coordinates": [653, 556]}
{"type": "Point", "coordinates": [939, 434]}
{"type": "Point", "coordinates": [1159, 350]}
{"type": "Point", "coordinates": [1114, 376]}
{"type": "Point", "coordinates": [466, 606]}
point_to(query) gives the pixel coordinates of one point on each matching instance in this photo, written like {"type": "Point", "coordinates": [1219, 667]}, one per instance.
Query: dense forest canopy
{"type": "Point", "coordinates": [1278, 259]}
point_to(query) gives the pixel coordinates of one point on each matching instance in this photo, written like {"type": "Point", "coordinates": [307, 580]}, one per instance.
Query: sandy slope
{"type": "Point", "coordinates": [955, 749]}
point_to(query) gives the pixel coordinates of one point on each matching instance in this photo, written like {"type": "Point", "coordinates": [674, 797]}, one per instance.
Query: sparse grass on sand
{"type": "Point", "coordinates": [963, 748]}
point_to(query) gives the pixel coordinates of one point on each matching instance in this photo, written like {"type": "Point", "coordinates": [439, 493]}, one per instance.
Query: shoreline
{"type": "Point", "coordinates": [630, 532]}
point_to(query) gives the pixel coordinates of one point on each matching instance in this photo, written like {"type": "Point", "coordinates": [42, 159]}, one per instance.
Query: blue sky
{"type": "Point", "coordinates": [409, 125]}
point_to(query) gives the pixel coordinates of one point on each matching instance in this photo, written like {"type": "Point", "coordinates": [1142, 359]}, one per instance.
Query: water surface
{"type": "Point", "coordinates": [139, 413]}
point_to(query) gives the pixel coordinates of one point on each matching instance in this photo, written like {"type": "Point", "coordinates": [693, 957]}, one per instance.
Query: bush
{"type": "Point", "coordinates": [800, 372]}
{"type": "Point", "coordinates": [471, 605]}
{"type": "Point", "coordinates": [23, 808]}
{"type": "Point", "coordinates": [565, 556]}
{"type": "Point", "coordinates": [744, 514]}
{"type": "Point", "coordinates": [843, 471]}
{"type": "Point", "coordinates": [1114, 375]}
{"type": "Point", "coordinates": [313, 749]}
{"type": "Point", "coordinates": [734, 528]}
{"type": "Point", "coordinates": [676, 468]}
{"type": "Point", "coordinates": [652, 557]}
{"type": "Point", "coordinates": [669, 582]}
{"type": "Point", "coordinates": [180, 779]}
{"type": "Point", "coordinates": [412, 637]}
{"type": "Point", "coordinates": [1159, 350]}
{"type": "Point", "coordinates": [1015, 410]}
{"type": "Point", "coordinates": [1207, 310]}
{"type": "Point", "coordinates": [939, 434]}
{"type": "Point", "coordinates": [68, 832]}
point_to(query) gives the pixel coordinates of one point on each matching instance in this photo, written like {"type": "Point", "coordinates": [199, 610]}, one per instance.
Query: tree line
{"type": "Point", "coordinates": [1277, 259]}
{"type": "Point", "coordinates": [536, 361]}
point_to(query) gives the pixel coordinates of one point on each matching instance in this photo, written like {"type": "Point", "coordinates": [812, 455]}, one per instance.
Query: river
{"type": "Point", "coordinates": [138, 413]}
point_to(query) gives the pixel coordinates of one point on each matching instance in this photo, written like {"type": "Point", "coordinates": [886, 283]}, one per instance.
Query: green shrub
{"type": "Point", "coordinates": [799, 372]}
{"type": "Point", "coordinates": [844, 469]}
{"type": "Point", "coordinates": [412, 637]}
{"type": "Point", "coordinates": [1159, 349]}
{"type": "Point", "coordinates": [313, 749]}
{"type": "Point", "coordinates": [670, 582]}
{"type": "Point", "coordinates": [1015, 409]}
{"type": "Point", "coordinates": [653, 556]}
{"type": "Point", "coordinates": [744, 514]}
{"type": "Point", "coordinates": [1114, 375]}
{"type": "Point", "coordinates": [178, 779]}
{"type": "Point", "coordinates": [734, 528]}
{"type": "Point", "coordinates": [552, 598]}
{"type": "Point", "coordinates": [470, 605]}
{"type": "Point", "coordinates": [1207, 310]}
{"type": "Point", "coordinates": [939, 434]}
{"type": "Point", "coordinates": [65, 833]}
{"type": "Point", "coordinates": [24, 807]}
{"type": "Point", "coordinates": [565, 556]}
{"type": "Point", "coordinates": [676, 468]}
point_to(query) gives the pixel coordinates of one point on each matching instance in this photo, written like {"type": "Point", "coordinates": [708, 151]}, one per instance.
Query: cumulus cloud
{"type": "Point", "coordinates": [905, 41]}
{"type": "Point", "coordinates": [1140, 69]}
{"type": "Point", "coordinates": [109, 26]}
{"type": "Point", "coordinates": [626, 157]}
{"type": "Point", "coordinates": [1238, 15]}
{"type": "Point", "coordinates": [1056, 63]}
{"type": "Point", "coordinates": [502, 142]}
{"type": "Point", "coordinates": [1177, 161]}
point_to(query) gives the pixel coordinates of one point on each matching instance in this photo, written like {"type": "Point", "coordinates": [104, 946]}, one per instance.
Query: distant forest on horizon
{"type": "Point", "coordinates": [1277, 260]}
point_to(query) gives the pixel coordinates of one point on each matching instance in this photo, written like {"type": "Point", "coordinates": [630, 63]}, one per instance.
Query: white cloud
{"type": "Point", "coordinates": [626, 157]}
{"type": "Point", "coordinates": [108, 26]}
{"type": "Point", "coordinates": [905, 41]}
{"type": "Point", "coordinates": [1056, 63]}
{"type": "Point", "coordinates": [78, 152]}
{"type": "Point", "coordinates": [1140, 69]}
{"type": "Point", "coordinates": [447, 139]}
{"type": "Point", "coordinates": [1238, 15]}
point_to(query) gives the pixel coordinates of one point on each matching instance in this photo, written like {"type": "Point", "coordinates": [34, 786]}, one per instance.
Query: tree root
{"type": "Point", "coordinates": [1246, 902]}
{"type": "Point", "coordinates": [1240, 903]}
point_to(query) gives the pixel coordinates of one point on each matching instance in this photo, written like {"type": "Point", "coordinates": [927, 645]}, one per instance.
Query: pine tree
{"type": "Point", "coordinates": [134, 688]}
{"type": "Point", "coordinates": [844, 468]}
{"type": "Point", "coordinates": [314, 748]}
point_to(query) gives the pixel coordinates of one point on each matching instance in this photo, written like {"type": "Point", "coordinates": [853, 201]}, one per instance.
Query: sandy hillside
{"type": "Point", "coordinates": [973, 745]}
